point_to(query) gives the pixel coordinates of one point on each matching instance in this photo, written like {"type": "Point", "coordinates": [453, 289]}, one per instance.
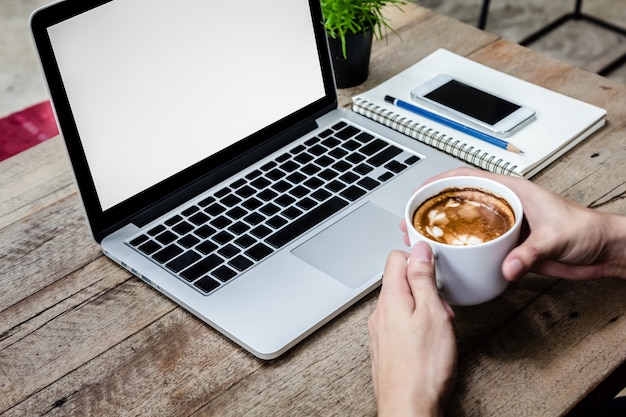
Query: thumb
{"type": "Point", "coordinates": [525, 256]}
{"type": "Point", "coordinates": [421, 269]}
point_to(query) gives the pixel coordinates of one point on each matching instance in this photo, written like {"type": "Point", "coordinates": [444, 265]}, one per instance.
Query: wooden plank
{"type": "Point", "coordinates": [33, 179]}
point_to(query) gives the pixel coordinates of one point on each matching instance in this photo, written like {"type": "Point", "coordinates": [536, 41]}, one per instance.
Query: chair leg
{"type": "Point", "coordinates": [484, 13]}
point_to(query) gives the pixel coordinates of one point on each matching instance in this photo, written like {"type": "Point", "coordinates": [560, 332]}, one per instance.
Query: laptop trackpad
{"type": "Point", "coordinates": [356, 247]}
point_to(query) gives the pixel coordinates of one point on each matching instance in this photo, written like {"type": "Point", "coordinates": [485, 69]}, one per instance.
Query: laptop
{"type": "Point", "coordinates": [214, 164]}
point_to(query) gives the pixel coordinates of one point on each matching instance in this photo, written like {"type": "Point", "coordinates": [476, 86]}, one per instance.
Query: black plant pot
{"type": "Point", "coordinates": [354, 69]}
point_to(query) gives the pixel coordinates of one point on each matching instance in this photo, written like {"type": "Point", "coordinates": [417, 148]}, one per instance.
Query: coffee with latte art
{"type": "Point", "coordinates": [464, 216]}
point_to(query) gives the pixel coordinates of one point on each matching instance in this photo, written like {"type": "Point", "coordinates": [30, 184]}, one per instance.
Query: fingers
{"type": "Point", "coordinates": [421, 269]}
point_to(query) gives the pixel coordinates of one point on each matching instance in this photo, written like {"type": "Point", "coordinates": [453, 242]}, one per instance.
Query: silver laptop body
{"type": "Point", "coordinates": [173, 111]}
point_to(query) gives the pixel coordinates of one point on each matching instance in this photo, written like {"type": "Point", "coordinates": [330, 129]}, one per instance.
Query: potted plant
{"type": "Point", "coordinates": [350, 26]}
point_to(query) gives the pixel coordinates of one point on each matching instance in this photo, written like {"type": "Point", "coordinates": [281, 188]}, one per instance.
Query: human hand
{"type": "Point", "coordinates": [565, 239]}
{"type": "Point", "coordinates": [412, 342]}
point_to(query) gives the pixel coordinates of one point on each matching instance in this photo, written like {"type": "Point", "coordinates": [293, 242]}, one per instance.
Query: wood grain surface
{"type": "Point", "coordinates": [80, 336]}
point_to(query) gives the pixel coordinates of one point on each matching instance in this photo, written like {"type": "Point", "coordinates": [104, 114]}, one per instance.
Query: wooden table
{"type": "Point", "coordinates": [80, 336]}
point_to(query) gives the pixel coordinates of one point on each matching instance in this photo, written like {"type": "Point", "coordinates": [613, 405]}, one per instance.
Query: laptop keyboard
{"type": "Point", "coordinates": [220, 236]}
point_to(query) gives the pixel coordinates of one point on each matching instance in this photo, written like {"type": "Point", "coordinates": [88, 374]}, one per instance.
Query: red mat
{"type": "Point", "coordinates": [23, 129]}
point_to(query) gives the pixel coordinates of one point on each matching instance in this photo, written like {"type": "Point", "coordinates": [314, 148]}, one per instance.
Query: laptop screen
{"type": "Point", "coordinates": [158, 86]}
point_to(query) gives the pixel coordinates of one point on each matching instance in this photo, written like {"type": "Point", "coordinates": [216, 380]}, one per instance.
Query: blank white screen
{"type": "Point", "coordinates": [158, 85]}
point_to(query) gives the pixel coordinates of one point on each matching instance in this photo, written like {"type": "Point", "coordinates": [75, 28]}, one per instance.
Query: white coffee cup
{"type": "Point", "coordinates": [471, 274]}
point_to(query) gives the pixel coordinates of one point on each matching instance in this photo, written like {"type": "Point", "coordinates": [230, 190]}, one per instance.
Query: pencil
{"type": "Point", "coordinates": [453, 124]}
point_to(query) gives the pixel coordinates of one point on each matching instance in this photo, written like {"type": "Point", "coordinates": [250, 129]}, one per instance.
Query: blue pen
{"type": "Point", "coordinates": [455, 125]}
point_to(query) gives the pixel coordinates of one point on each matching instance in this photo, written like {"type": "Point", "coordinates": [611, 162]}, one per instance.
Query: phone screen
{"type": "Point", "coordinates": [472, 102]}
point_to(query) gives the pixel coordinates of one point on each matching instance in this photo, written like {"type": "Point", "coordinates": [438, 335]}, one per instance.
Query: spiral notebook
{"type": "Point", "coordinates": [561, 121]}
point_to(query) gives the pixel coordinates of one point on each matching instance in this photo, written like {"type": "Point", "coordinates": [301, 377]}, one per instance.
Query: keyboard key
{"type": "Point", "coordinates": [215, 209]}
{"type": "Point", "coordinates": [138, 240]}
{"type": "Point", "coordinates": [328, 174]}
{"type": "Point", "coordinates": [173, 220]}
{"type": "Point", "coordinates": [352, 145]}
{"type": "Point", "coordinates": [238, 183]}
{"type": "Point", "coordinates": [384, 156]}
{"type": "Point", "coordinates": [189, 211]}
{"type": "Point", "coordinates": [303, 158]}
{"type": "Point", "coordinates": [338, 153]}
{"type": "Point", "coordinates": [340, 125]}
{"type": "Point", "coordinates": [254, 218]}
{"type": "Point", "coordinates": [224, 273]}
{"type": "Point", "coordinates": [167, 253]}
{"type": "Point", "coordinates": [299, 191]}
{"type": "Point", "coordinates": [207, 284]}
{"type": "Point", "coordinates": [236, 213]}
{"type": "Point", "coordinates": [285, 200]}
{"type": "Point", "coordinates": [282, 158]}
{"type": "Point", "coordinates": [260, 231]}
{"type": "Point", "coordinates": [188, 241]}
{"type": "Point", "coordinates": [206, 247]}
{"type": "Point", "coordinates": [183, 228]}
{"type": "Point", "coordinates": [276, 222]}
{"type": "Point", "coordinates": [252, 204]}
{"type": "Point", "coordinates": [395, 166]}
{"type": "Point", "coordinates": [296, 177]}
{"type": "Point", "coordinates": [385, 177]}
{"type": "Point", "coordinates": [221, 193]}
{"type": "Point", "coordinates": [260, 183]}
{"type": "Point", "coordinates": [245, 241]}
{"type": "Point", "coordinates": [363, 169]}
{"type": "Point", "coordinates": [166, 237]}
{"type": "Point", "coordinates": [199, 218]}
{"type": "Point", "coordinates": [252, 175]}
{"type": "Point", "coordinates": [355, 158]}
{"type": "Point", "coordinates": [238, 228]}
{"type": "Point", "coordinates": [269, 209]}
{"type": "Point", "coordinates": [368, 183]}
{"type": "Point", "coordinates": [314, 183]}
{"type": "Point", "coordinates": [229, 251]}
{"type": "Point", "coordinates": [349, 177]}
{"type": "Point", "coordinates": [348, 132]}
{"type": "Point", "coordinates": [310, 169]}
{"type": "Point", "coordinates": [321, 194]}
{"type": "Point", "coordinates": [245, 191]}
{"type": "Point", "coordinates": [306, 203]}
{"type": "Point", "coordinates": [223, 237]}
{"type": "Point", "coordinates": [202, 267]}
{"type": "Point", "coordinates": [373, 147]}
{"type": "Point", "coordinates": [207, 201]}
{"type": "Point", "coordinates": [330, 142]}
{"type": "Point", "coordinates": [411, 160]}
{"type": "Point", "coordinates": [291, 213]}
{"type": "Point", "coordinates": [259, 251]}
{"type": "Point", "coordinates": [317, 150]}
{"type": "Point", "coordinates": [156, 230]}
{"type": "Point", "coordinates": [275, 174]}
{"type": "Point", "coordinates": [324, 161]}
{"type": "Point", "coordinates": [183, 261]}
{"type": "Point", "coordinates": [149, 247]}
{"type": "Point", "coordinates": [230, 200]}
{"type": "Point", "coordinates": [281, 186]}
{"type": "Point", "coordinates": [364, 137]}
{"type": "Point", "coordinates": [205, 231]}
{"type": "Point", "coordinates": [267, 195]}
{"type": "Point", "coordinates": [353, 192]}
{"type": "Point", "coordinates": [268, 166]}
{"type": "Point", "coordinates": [289, 166]}
{"type": "Point", "coordinates": [221, 222]}
{"type": "Point", "coordinates": [306, 222]}
{"type": "Point", "coordinates": [335, 186]}
{"type": "Point", "coordinates": [240, 263]}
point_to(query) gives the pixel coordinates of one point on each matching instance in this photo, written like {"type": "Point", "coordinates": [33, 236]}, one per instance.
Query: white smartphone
{"type": "Point", "coordinates": [480, 109]}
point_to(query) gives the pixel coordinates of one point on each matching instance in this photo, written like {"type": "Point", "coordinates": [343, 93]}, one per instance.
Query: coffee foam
{"type": "Point", "coordinates": [461, 217]}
